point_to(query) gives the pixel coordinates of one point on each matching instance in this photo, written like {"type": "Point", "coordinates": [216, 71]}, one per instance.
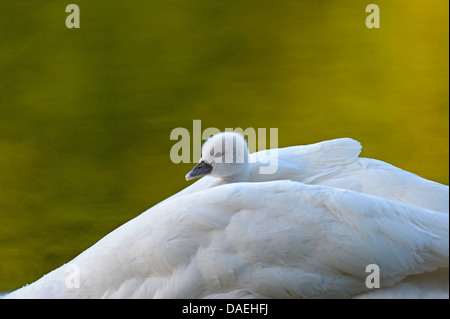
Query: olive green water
{"type": "Point", "coordinates": [86, 114]}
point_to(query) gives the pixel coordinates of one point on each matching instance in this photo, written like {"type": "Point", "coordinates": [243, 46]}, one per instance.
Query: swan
{"type": "Point", "coordinates": [308, 230]}
{"type": "Point", "coordinates": [334, 163]}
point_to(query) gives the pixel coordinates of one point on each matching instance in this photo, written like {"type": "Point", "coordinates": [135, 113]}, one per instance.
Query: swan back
{"type": "Point", "coordinates": [277, 239]}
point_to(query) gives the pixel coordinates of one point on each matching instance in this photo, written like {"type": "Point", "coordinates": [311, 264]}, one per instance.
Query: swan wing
{"type": "Point", "coordinates": [335, 163]}
{"type": "Point", "coordinates": [303, 163]}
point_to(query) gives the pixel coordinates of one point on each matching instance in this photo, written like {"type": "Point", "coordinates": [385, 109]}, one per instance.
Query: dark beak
{"type": "Point", "coordinates": [199, 170]}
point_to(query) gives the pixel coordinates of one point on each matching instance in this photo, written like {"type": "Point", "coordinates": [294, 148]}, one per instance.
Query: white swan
{"type": "Point", "coordinates": [333, 163]}
{"type": "Point", "coordinates": [278, 239]}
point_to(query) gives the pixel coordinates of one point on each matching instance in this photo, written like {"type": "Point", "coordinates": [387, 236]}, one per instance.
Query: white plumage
{"type": "Point", "coordinates": [307, 231]}
{"type": "Point", "coordinates": [333, 163]}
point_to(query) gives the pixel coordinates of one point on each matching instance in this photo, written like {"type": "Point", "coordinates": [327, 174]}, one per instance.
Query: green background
{"type": "Point", "coordinates": [86, 114]}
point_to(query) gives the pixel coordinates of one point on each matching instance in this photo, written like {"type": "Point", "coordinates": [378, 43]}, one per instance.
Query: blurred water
{"type": "Point", "coordinates": [85, 115]}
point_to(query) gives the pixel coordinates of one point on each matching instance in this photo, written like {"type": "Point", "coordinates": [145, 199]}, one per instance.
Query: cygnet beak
{"type": "Point", "coordinates": [199, 170]}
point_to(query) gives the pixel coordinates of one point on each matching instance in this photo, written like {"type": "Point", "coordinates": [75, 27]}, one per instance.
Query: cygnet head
{"type": "Point", "coordinates": [225, 156]}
